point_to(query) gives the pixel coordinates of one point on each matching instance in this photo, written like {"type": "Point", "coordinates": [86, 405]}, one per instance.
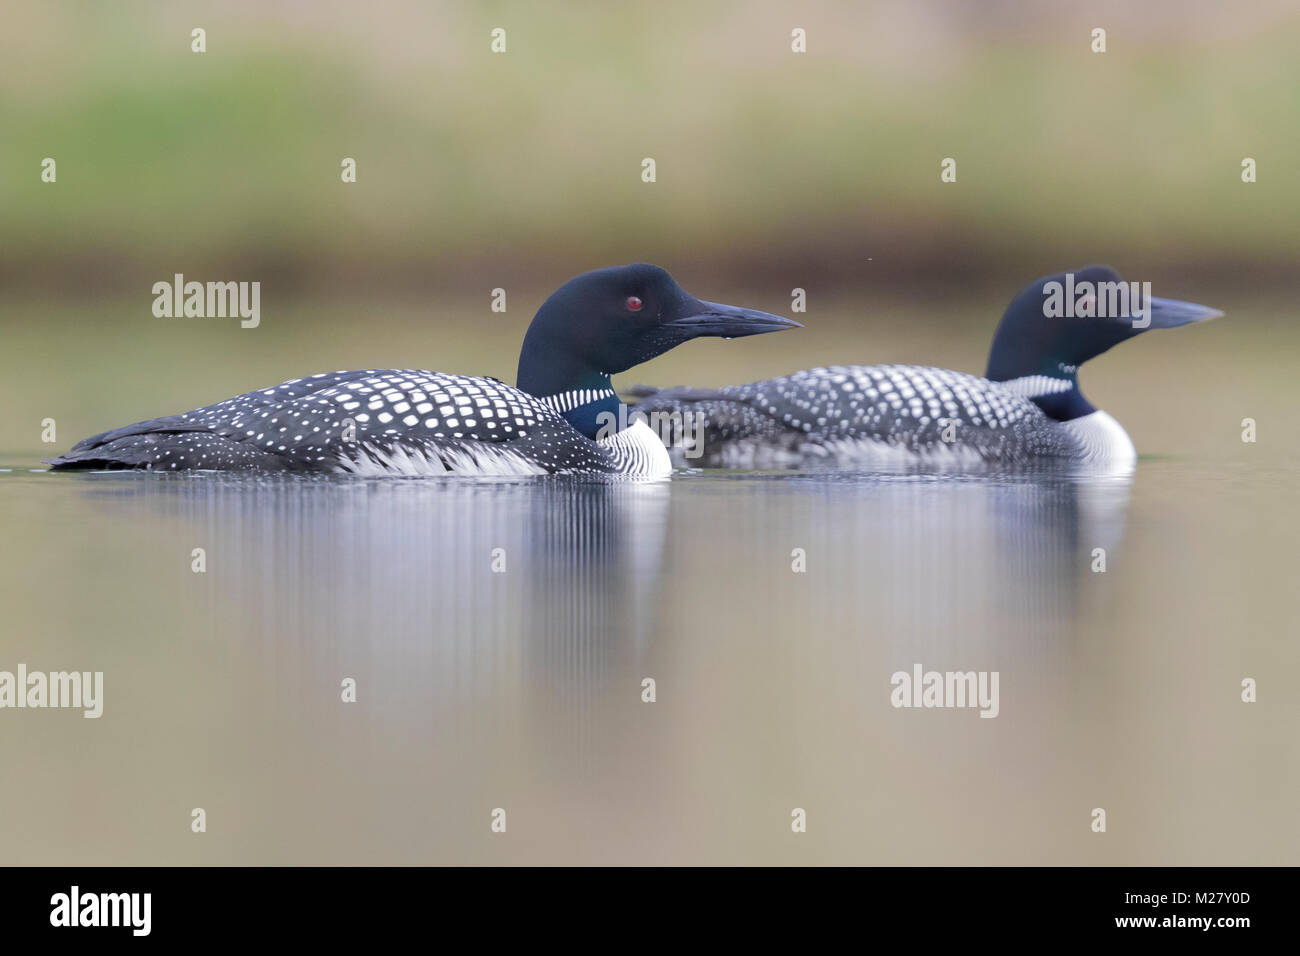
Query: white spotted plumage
{"type": "Point", "coordinates": [369, 422]}
{"type": "Point", "coordinates": [886, 415]}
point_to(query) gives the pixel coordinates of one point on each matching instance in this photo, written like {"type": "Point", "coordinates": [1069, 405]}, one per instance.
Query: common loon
{"type": "Point", "coordinates": [1027, 407]}
{"type": "Point", "coordinates": [562, 419]}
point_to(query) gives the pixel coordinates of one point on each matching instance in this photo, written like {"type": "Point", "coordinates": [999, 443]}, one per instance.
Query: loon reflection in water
{"type": "Point", "coordinates": [392, 581]}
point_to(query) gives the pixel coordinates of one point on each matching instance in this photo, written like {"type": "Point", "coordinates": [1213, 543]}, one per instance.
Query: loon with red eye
{"type": "Point", "coordinates": [416, 422]}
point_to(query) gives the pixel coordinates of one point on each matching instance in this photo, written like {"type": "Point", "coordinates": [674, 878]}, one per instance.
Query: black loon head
{"type": "Point", "coordinates": [1058, 322]}
{"type": "Point", "coordinates": [609, 320]}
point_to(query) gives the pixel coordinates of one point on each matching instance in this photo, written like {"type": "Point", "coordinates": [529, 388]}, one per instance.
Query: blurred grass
{"type": "Point", "coordinates": [526, 165]}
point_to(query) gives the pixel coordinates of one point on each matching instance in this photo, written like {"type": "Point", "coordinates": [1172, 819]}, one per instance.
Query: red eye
{"type": "Point", "coordinates": [633, 303]}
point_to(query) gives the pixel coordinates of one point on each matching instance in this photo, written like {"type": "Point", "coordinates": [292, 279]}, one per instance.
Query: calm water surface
{"type": "Point", "coordinates": [522, 688]}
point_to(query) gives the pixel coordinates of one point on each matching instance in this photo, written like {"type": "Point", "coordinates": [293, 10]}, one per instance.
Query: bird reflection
{"type": "Point", "coordinates": [476, 610]}
{"type": "Point", "coordinates": [441, 591]}
{"type": "Point", "coordinates": [969, 561]}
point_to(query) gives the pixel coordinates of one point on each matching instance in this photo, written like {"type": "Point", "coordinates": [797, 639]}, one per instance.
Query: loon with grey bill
{"type": "Point", "coordinates": [1026, 409]}
{"type": "Point", "coordinates": [563, 418]}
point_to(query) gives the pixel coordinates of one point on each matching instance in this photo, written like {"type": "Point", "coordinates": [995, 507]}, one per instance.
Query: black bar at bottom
{"type": "Point", "coordinates": [331, 905]}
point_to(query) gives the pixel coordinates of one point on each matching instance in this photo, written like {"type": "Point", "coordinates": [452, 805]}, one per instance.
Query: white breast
{"type": "Point", "coordinates": [1102, 441]}
{"type": "Point", "coordinates": [638, 452]}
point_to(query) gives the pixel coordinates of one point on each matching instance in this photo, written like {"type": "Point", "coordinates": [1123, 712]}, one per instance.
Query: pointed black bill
{"type": "Point", "coordinates": [729, 322]}
{"type": "Point", "coordinates": [1171, 313]}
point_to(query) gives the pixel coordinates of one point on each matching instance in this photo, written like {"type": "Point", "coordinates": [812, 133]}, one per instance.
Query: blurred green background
{"type": "Point", "coordinates": [479, 170]}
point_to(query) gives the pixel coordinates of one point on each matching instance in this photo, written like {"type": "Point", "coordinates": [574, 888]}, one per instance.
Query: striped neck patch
{"type": "Point", "coordinates": [567, 401]}
{"type": "Point", "coordinates": [1031, 386]}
